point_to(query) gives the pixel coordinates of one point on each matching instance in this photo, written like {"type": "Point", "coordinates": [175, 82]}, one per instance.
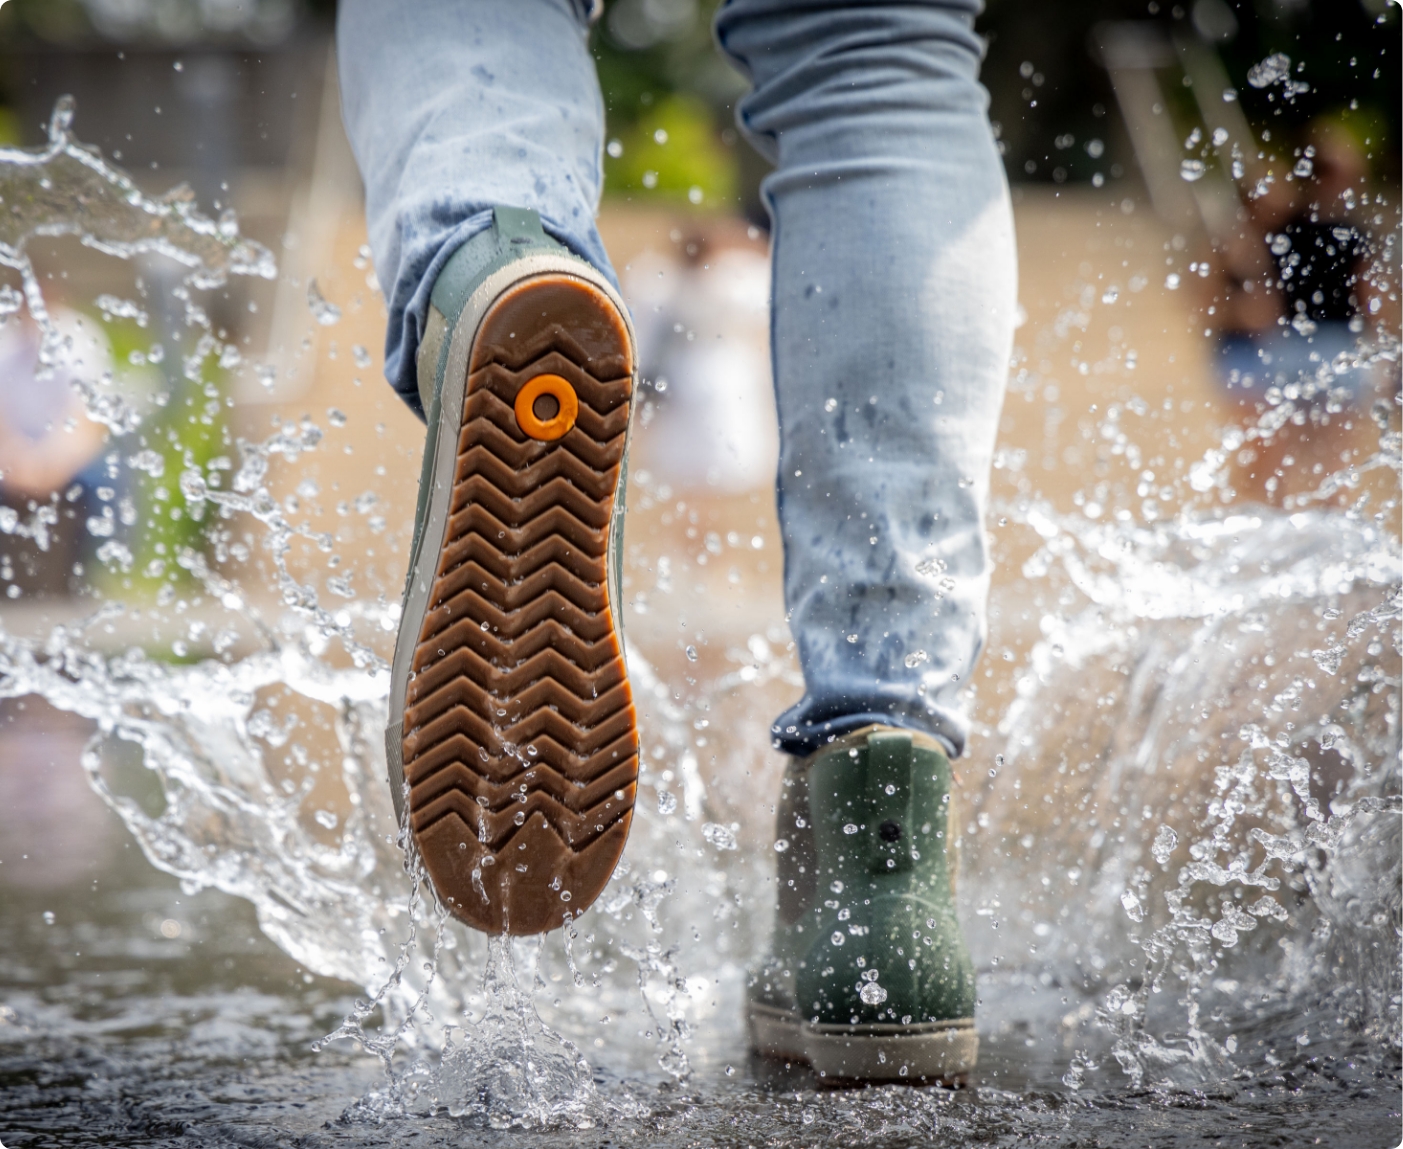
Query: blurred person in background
{"type": "Point", "coordinates": [703, 343]}
{"type": "Point", "coordinates": [1294, 298]}
{"type": "Point", "coordinates": [49, 447]}
{"type": "Point", "coordinates": [46, 437]}
{"type": "Point", "coordinates": [512, 741]}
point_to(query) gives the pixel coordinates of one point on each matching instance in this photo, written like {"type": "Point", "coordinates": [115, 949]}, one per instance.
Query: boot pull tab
{"type": "Point", "coordinates": [518, 225]}
{"type": "Point", "coordinates": [888, 799]}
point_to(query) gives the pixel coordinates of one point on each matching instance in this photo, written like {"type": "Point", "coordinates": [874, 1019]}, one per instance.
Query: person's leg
{"type": "Point", "coordinates": [455, 107]}
{"type": "Point", "coordinates": [894, 297]}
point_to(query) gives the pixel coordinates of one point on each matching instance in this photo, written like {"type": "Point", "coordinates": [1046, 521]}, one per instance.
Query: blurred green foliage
{"type": "Point", "coordinates": [669, 99]}
{"type": "Point", "coordinates": [186, 430]}
{"type": "Point", "coordinates": [1050, 96]}
{"type": "Point", "coordinates": [674, 150]}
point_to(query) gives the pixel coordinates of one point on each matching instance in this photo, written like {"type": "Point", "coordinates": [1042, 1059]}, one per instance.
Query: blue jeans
{"type": "Point", "coordinates": [893, 294]}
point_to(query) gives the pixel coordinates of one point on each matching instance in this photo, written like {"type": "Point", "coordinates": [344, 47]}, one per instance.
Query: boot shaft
{"type": "Point", "coordinates": [866, 931]}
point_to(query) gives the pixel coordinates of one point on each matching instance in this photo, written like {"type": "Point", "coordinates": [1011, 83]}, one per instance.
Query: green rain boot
{"type": "Point", "coordinates": [869, 978]}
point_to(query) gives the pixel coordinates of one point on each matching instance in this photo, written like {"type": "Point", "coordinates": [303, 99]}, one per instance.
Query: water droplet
{"type": "Point", "coordinates": [691, 654]}
{"type": "Point", "coordinates": [781, 845]}
{"type": "Point", "coordinates": [323, 310]}
{"type": "Point", "coordinates": [872, 994]}
{"type": "Point", "coordinates": [719, 836]}
{"type": "Point", "coordinates": [326, 819]}
{"type": "Point", "coordinates": [667, 802]}
{"type": "Point", "coordinates": [1272, 70]}
{"type": "Point", "coordinates": [850, 828]}
{"type": "Point", "coordinates": [48, 917]}
{"type": "Point", "coordinates": [837, 938]}
{"type": "Point", "coordinates": [1191, 170]}
{"type": "Point", "coordinates": [915, 658]}
{"type": "Point", "coordinates": [1164, 843]}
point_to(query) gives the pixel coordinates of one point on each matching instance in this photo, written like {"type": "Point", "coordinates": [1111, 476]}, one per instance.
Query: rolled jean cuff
{"type": "Point", "coordinates": [417, 287]}
{"type": "Point", "coordinates": [804, 729]}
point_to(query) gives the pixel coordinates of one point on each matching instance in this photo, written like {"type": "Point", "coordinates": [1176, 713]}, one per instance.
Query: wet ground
{"type": "Point", "coordinates": [142, 1016]}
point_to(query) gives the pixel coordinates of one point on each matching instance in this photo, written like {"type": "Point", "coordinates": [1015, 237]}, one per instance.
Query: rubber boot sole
{"type": "Point", "coordinates": [513, 722]}
{"type": "Point", "coordinates": [936, 1053]}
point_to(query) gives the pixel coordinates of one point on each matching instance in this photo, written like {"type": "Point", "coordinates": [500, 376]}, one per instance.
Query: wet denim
{"type": "Point", "coordinates": [893, 294]}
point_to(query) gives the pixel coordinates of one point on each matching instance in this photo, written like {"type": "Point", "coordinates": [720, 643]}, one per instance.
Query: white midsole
{"type": "Point", "coordinates": [938, 1050]}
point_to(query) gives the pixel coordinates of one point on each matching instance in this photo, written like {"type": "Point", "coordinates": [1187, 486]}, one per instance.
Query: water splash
{"type": "Point", "coordinates": [67, 189]}
{"type": "Point", "coordinates": [1220, 771]}
{"type": "Point", "coordinates": [1222, 841]}
{"type": "Point", "coordinates": [510, 1070]}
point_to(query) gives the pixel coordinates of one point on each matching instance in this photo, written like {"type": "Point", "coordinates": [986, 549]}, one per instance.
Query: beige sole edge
{"type": "Point", "coordinates": [775, 1033]}
{"type": "Point", "coordinates": [865, 1053]}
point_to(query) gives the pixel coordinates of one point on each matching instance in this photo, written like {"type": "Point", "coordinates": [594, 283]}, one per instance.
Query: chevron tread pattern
{"type": "Point", "coordinates": [520, 738]}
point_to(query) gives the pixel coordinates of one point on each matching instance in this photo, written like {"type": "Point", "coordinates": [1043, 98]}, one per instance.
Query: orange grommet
{"type": "Point", "coordinates": [546, 387]}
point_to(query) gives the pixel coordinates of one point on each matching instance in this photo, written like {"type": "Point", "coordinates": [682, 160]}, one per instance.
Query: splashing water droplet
{"type": "Point", "coordinates": [323, 310]}
{"type": "Point", "coordinates": [722, 837]}
{"type": "Point", "coordinates": [1272, 70]}
{"type": "Point", "coordinates": [1163, 846]}
{"type": "Point", "coordinates": [872, 994]}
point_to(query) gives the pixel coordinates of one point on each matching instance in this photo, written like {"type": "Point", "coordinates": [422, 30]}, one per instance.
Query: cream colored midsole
{"type": "Point", "coordinates": [890, 1052]}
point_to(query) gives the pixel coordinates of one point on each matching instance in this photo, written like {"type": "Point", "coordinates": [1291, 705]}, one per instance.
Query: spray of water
{"type": "Point", "coordinates": [1202, 758]}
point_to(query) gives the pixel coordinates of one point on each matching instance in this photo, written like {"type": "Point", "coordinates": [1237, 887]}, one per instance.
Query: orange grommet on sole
{"type": "Point", "coordinates": [537, 394]}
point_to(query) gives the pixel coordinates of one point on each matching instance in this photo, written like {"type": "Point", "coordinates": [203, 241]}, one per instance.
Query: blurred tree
{"type": "Point", "coordinates": [670, 98]}
{"type": "Point", "coordinates": [1051, 98]}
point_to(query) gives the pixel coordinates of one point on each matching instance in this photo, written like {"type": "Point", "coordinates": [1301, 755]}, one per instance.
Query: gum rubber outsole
{"type": "Point", "coordinates": [519, 739]}
{"type": "Point", "coordinates": [940, 1053]}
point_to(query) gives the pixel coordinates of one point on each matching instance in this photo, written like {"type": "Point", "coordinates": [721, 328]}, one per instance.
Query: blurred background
{"type": "Point", "coordinates": [1172, 166]}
